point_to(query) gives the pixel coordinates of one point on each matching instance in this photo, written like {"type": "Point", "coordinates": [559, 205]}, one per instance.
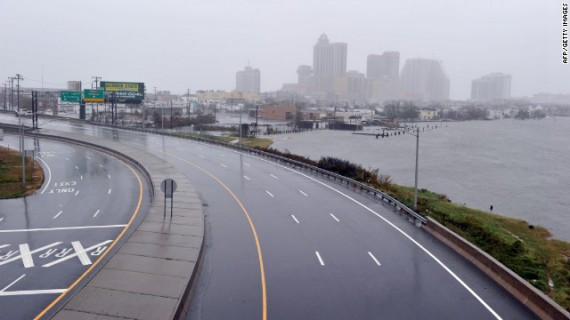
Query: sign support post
{"type": "Point", "coordinates": [168, 186]}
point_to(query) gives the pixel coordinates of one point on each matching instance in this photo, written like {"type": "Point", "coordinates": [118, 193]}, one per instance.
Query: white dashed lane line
{"type": "Point", "coordinates": [223, 165]}
{"type": "Point", "coordinates": [246, 164]}
{"type": "Point", "coordinates": [303, 193]}
{"type": "Point", "coordinates": [96, 213]}
{"type": "Point", "coordinates": [320, 259]}
{"type": "Point", "coordinates": [57, 215]}
{"type": "Point", "coordinates": [374, 258]}
{"type": "Point", "coordinates": [272, 176]}
{"type": "Point", "coordinates": [246, 178]}
{"type": "Point", "coordinates": [292, 216]}
{"type": "Point", "coordinates": [109, 191]}
{"type": "Point", "coordinates": [269, 193]}
{"type": "Point", "coordinates": [334, 217]}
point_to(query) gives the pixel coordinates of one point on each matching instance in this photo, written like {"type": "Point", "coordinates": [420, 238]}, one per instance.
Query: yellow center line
{"type": "Point", "coordinates": [74, 284]}
{"type": "Point", "coordinates": [258, 246]}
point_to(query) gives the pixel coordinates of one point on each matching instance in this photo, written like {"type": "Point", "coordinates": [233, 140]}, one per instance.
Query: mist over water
{"type": "Point", "coordinates": [519, 167]}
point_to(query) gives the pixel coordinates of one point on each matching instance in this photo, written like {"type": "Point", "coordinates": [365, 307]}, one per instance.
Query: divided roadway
{"type": "Point", "coordinates": [325, 252]}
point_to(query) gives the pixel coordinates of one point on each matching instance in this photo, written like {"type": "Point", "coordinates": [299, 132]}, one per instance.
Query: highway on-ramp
{"type": "Point", "coordinates": [51, 240]}
{"type": "Point", "coordinates": [286, 244]}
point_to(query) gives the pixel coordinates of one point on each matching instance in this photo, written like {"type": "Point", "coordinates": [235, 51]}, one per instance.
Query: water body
{"type": "Point", "coordinates": [522, 168]}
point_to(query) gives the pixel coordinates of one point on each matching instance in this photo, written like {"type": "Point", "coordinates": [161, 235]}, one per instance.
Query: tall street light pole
{"type": "Point", "coordinates": [417, 135]}
{"type": "Point", "coordinates": [417, 160]}
{"type": "Point", "coordinates": [239, 140]}
{"type": "Point", "coordinates": [18, 78]}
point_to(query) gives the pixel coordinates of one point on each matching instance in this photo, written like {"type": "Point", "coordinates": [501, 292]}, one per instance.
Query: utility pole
{"type": "Point", "coordinates": [239, 140]}
{"type": "Point", "coordinates": [256, 117]}
{"type": "Point", "coordinates": [188, 103]}
{"type": "Point", "coordinates": [171, 115]}
{"type": "Point", "coordinates": [5, 95]}
{"type": "Point", "coordinates": [18, 78]}
{"type": "Point", "coordinates": [154, 106]}
{"type": "Point", "coordinates": [11, 92]}
{"type": "Point", "coordinates": [96, 79]}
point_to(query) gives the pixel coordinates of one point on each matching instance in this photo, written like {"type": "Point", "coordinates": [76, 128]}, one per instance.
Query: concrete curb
{"type": "Point", "coordinates": [153, 274]}
{"type": "Point", "coordinates": [532, 298]}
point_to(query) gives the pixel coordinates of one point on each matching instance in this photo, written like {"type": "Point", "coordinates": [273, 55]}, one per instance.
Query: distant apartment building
{"type": "Point", "coordinates": [221, 96]}
{"type": "Point", "coordinates": [74, 85]}
{"type": "Point", "coordinates": [248, 80]}
{"type": "Point", "coordinates": [329, 63]}
{"type": "Point", "coordinates": [491, 87]}
{"type": "Point", "coordinates": [305, 75]}
{"type": "Point", "coordinates": [304, 85]}
{"type": "Point", "coordinates": [424, 79]}
{"type": "Point", "coordinates": [354, 86]}
{"type": "Point", "coordinates": [386, 65]}
{"type": "Point", "coordinates": [383, 73]}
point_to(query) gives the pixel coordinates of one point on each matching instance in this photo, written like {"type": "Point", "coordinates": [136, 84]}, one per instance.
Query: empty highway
{"type": "Point", "coordinates": [283, 244]}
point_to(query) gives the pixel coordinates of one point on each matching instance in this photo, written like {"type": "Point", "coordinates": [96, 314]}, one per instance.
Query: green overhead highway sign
{"type": "Point", "coordinates": [94, 95]}
{"type": "Point", "coordinates": [70, 96]}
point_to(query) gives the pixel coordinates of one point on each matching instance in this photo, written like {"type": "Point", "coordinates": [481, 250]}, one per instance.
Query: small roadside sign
{"type": "Point", "coordinates": [168, 186]}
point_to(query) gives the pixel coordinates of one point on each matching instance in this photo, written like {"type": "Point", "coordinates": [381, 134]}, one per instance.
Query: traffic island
{"type": "Point", "coordinates": [11, 173]}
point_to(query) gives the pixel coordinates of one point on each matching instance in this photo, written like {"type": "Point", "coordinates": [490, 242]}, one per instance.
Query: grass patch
{"type": "Point", "coordinates": [251, 142]}
{"type": "Point", "coordinates": [11, 175]}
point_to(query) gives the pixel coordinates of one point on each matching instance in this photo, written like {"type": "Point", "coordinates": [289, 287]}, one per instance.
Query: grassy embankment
{"type": "Point", "coordinates": [248, 142]}
{"type": "Point", "coordinates": [525, 249]}
{"type": "Point", "coordinates": [11, 175]}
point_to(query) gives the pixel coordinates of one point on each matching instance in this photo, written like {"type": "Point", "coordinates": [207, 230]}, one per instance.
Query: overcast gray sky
{"type": "Point", "coordinates": [175, 45]}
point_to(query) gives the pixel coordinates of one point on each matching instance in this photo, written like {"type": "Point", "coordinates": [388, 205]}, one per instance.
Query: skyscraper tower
{"type": "Point", "coordinates": [248, 80]}
{"type": "Point", "coordinates": [424, 79]}
{"type": "Point", "coordinates": [329, 63]}
{"type": "Point", "coordinates": [491, 86]}
{"type": "Point", "coordinates": [386, 65]}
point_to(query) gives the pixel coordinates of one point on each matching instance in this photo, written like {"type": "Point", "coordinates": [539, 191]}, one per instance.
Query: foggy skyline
{"type": "Point", "coordinates": [175, 45]}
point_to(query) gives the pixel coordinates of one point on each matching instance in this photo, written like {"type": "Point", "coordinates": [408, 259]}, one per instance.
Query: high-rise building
{"type": "Point", "coordinates": [329, 63]}
{"type": "Point", "coordinates": [383, 73]}
{"type": "Point", "coordinates": [491, 86]}
{"type": "Point", "coordinates": [356, 86]}
{"type": "Point", "coordinates": [248, 80]}
{"type": "Point", "coordinates": [386, 65]}
{"type": "Point", "coordinates": [305, 75]}
{"type": "Point", "coordinates": [424, 79]}
{"type": "Point", "coordinates": [74, 85]}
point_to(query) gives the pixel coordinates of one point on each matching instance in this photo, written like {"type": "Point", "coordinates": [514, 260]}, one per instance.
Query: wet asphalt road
{"type": "Point", "coordinates": [49, 239]}
{"type": "Point", "coordinates": [327, 252]}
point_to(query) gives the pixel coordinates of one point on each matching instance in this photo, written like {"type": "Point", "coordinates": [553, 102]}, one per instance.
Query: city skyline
{"type": "Point", "coordinates": [201, 46]}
